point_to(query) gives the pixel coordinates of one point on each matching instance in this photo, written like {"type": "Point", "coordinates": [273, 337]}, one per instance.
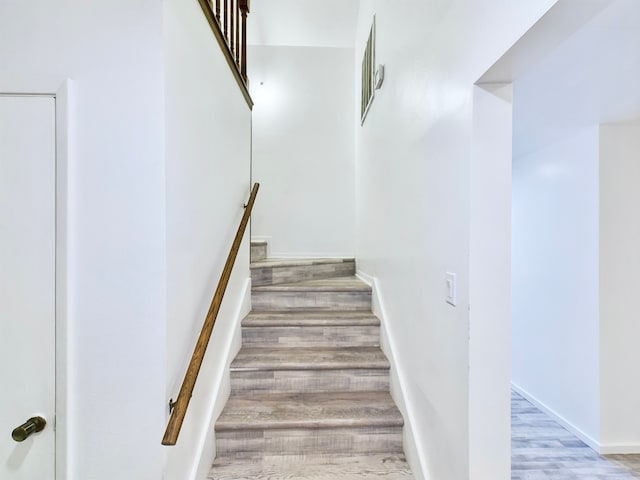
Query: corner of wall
{"type": "Point", "coordinates": [413, 444]}
{"type": "Point", "coordinates": [619, 280]}
{"type": "Point", "coordinates": [589, 440]}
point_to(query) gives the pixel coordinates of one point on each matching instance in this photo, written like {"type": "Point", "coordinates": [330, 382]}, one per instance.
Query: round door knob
{"type": "Point", "coordinates": [24, 431]}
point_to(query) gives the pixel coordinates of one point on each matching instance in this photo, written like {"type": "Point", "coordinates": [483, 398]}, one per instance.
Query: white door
{"type": "Point", "coordinates": [27, 284]}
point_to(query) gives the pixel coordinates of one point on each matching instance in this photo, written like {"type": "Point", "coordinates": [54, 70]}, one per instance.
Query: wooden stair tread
{"type": "Point", "coordinates": [277, 271]}
{"type": "Point", "coordinates": [312, 467]}
{"type": "Point", "coordinates": [310, 318]}
{"type": "Point", "coordinates": [297, 262]}
{"type": "Point", "coordinates": [309, 410]}
{"type": "Point", "coordinates": [316, 358]}
{"type": "Point", "coordinates": [310, 386]}
{"type": "Point", "coordinates": [337, 284]}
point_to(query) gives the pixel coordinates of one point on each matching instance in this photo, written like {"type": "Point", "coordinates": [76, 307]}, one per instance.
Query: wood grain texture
{"type": "Point", "coordinates": [290, 358]}
{"type": "Point", "coordinates": [542, 449]}
{"type": "Point", "coordinates": [302, 318]}
{"type": "Point", "coordinates": [355, 440]}
{"type": "Point", "coordinates": [239, 71]}
{"type": "Point", "coordinates": [320, 301]}
{"type": "Point", "coordinates": [344, 293]}
{"type": "Point", "coordinates": [257, 383]}
{"type": "Point", "coordinates": [258, 251]}
{"type": "Point", "coordinates": [278, 271]}
{"type": "Point", "coordinates": [313, 467]}
{"type": "Point", "coordinates": [186, 390]}
{"type": "Point", "coordinates": [311, 411]}
{"type": "Point", "coordinates": [244, 11]}
{"type": "Point", "coordinates": [310, 385]}
{"type": "Point", "coordinates": [340, 284]}
{"type": "Point", "coordinates": [312, 336]}
{"type": "Point", "coordinates": [301, 262]}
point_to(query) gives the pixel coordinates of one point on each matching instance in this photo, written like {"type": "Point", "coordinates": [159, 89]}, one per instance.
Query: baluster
{"type": "Point", "coordinates": [226, 20]}
{"type": "Point", "coordinates": [244, 8]}
{"type": "Point", "coordinates": [218, 11]}
{"type": "Point", "coordinates": [232, 22]}
{"type": "Point", "coordinates": [237, 39]}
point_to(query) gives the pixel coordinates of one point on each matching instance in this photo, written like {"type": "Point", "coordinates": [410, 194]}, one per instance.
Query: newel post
{"type": "Point", "coordinates": [244, 9]}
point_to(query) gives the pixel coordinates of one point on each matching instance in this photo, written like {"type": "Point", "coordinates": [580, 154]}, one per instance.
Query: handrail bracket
{"type": "Point", "coordinates": [178, 409]}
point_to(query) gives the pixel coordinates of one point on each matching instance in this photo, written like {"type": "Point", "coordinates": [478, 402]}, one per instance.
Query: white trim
{"type": "Point", "coordinates": [64, 157]}
{"type": "Point", "coordinates": [206, 447]}
{"type": "Point", "coordinates": [413, 442]}
{"type": "Point", "coordinates": [62, 93]}
{"type": "Point", "coordinates": [602, 449]}
{"type": "Point", "coordinates": [620, 449]}
{"type": "Point", "coordinates": [589, 440]}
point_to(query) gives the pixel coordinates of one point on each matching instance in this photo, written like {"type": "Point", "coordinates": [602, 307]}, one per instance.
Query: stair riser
{"type": "Point", "coordinates": [311, 300]}
{"type": "Point", "coordinates": [309, 381]}
{"type": "Point", "coordinates": [309, 441]}
{"type": "Point", "coordinates": [310, 319]}
{"type": "Point", "coordinates": [301, 273]}
{"type": "Point", "coordinates": [258, 251]}
{"type": "Point", "coordinates": [340, 336]}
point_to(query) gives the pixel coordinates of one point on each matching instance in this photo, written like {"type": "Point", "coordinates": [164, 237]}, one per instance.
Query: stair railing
{"type": "Point", "coordinates": [228, 21]}
{"type": "Point", "coordinates": [179, 407]}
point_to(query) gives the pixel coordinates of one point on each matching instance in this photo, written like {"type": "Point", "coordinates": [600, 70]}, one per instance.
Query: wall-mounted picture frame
{"type": "Point", "coordinates": [368, 73]}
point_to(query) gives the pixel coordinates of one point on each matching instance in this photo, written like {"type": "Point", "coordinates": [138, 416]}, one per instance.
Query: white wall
{"type": "Point", "coordinates": [303, 149]}
{"type": "Point", "coordinates": [115, 294]}
{"type": "Point", "coordinates": [413, 177]}
{"type": "Point", "coordinates": [619, 286]}
{"type": "Point", "coordinates": [556, 356]}
{"type": "Point", "coordinates": [490, 289]}
{"type": "Point", "coordinates": [124, 238]}
{"type": "Point", "coordinates": [303, 24]}
{"type": "Point", "coordinates": [208, 141]}
{"type": "Point", "coordinates": [558, 105]}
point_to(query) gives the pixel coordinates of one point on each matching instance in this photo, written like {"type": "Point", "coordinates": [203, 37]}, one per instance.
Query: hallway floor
{"type": "Point", "coordinates": [541, 449]}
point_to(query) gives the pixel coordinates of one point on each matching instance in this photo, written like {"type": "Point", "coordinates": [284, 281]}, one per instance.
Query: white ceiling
{"type": "Point", "coordinates": [591, 78]}
{"type": "Point", "coordinates": [309, 23]}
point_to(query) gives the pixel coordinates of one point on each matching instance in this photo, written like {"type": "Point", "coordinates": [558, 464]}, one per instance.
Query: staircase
{"type": "Point", "coordinates": [310, 386]}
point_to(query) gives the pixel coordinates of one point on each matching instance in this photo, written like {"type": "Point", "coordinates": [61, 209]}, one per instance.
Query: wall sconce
{"type": "Point", "coordinates": [379, 77]}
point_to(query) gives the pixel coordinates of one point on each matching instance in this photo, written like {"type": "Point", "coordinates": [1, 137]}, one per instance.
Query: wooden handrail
{"type": "Point", "coordinates": [186, 390]}
{"type": "Point", "coordinates": [228, 22]}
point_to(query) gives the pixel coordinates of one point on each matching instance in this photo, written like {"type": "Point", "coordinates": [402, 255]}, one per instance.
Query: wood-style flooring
{"type": "Point", "coordinates": [310, 386]}
{"type": "Point", "coordinates": [314, 467]}
{"type": "Point", "coordinates": [541, 449]}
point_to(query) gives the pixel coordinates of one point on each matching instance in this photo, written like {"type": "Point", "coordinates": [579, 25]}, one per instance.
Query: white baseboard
{"type": "Point", "coordinates": [588, 439]}
{"type": "Point", "coordinates": [207, 444]}
{"type": "Point", "coordinates": [414, 446]}
{"type": "Point", "coordinates": [630, 449]}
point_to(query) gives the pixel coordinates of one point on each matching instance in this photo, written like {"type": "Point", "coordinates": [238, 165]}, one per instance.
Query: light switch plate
{"type": "Point", "coordinates": [450, 285]}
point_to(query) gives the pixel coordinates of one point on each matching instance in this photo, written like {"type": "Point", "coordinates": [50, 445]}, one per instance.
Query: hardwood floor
{"type": "Point", "coordinates": [313, 467]}
{"type": "Point", "coordinates": [310, 391]}
{"type": "Point", "coordinates": [541, 449]}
